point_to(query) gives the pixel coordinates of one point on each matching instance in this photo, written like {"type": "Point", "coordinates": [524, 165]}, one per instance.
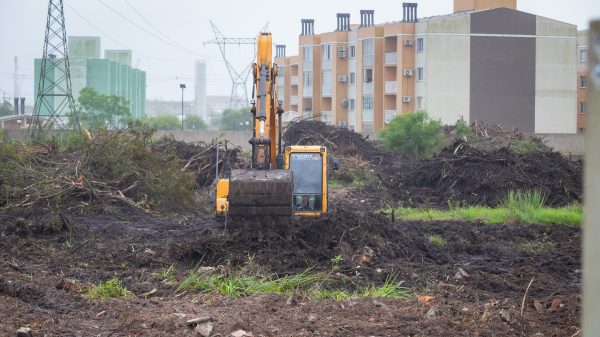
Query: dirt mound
{"type": "Point", "coordinates": [341, 142]}
{"type": "Point", "coordinates": [465, 174]}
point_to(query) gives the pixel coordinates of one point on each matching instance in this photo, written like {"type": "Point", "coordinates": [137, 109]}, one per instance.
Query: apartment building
{"type": "Point", "coordinates": [486, 62]}
{"type": "Point", "coordinates": [583, 39]}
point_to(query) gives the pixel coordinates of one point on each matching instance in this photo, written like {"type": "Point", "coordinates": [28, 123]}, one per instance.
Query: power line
{"type": "Point", "coordinates": [151, 24]}
{"type": "Point", "coordinates": [117, 41]}
{"type": "Point", "coordinates": [148, 32]}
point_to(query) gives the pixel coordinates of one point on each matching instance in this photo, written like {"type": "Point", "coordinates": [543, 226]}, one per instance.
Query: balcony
{"type": "Point", "coordinates": [327, 117]}
{"type": "Point", "coordinates": [367, 88]}
{"type": "Point", "coordinates": [326, 65]}
{"type": "Point", "coordinates": [326, 90]}
{"type": "Point", "coordinates": [294, 80]}
{"type": "Point", "coordinates": [391, 59]}
{"type": "Point", "coordinates": [368, 60]}
{"type": "Point", "coordinates": [367, 127]}
{"type": "Point", "coordinates": [388, 115]}
{"type": "Point", "coordinates": [390, 87]}
{"type": "Point", "coordinates": [307, 92]}
{"type": "Point", "coordinates": [294, 100]}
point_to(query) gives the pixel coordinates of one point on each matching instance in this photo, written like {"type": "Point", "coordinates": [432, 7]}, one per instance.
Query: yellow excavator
{"type": "Point", "coordinates": [292, 182]}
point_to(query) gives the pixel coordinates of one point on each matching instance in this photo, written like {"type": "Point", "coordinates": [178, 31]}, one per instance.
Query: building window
{"type": "Point", "coordinates": [308, 79]}
{"type": "Point", "coordinates": [583, 55]}
{"type": "Point", "coordinates": [420, 45]}
{"type": "Point", "coordinates": [421, 74]}
{"type": "Point", "coordinates": [368, 47]}
{"type": "Point", "coordinates": [352, 78]}
{"type": "Point", "coordinates": [326, 52]}
{"type": "Point", "coordinates": [583, 82]}
{"type": "Point", "coordinates": [419, 102]}
{"type": "Point", "coordinates": [327, 76]}
{"type": "Point", "coordinates": [582, 130]}
{"type": "Point", "coordinates": [583, 108]}
{"type": "Point", "coordinates": [308, 55]}
{"type": "Point", "coordinates": [352, 51]}
{"type": "Point", "coordinates": [368, 75]}
{"type": "Point", "coordinates": [352, 105]}
{"type": "Point", "coordinates": [367, 103]}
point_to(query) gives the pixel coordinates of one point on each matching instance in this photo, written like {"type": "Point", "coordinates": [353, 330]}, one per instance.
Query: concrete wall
{"type": "Point", "coordinates": [237, 138]}
{"type": "Point", "coordinates": [446, 62]}
{"type": "Point", "coordinates": [565, 143]}
{"type": "Point", "coordinates": [555, 79]}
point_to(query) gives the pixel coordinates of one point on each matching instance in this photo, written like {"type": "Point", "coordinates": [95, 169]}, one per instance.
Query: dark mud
{"type": "Point", "coordinates": [476, 281]}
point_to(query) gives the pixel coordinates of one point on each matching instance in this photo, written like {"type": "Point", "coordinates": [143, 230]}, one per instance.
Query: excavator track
{"type": "Point", "coordinates": [260, 193]}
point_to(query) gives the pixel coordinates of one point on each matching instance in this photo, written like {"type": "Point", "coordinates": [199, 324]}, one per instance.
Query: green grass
{"type": "Point", "coordinates": [109, 289]}
{"type": "Point", "coordinates": [520, 207]}
{"type": "Point", "coordinates": [310, 284]}
{"type": "Point", "coordinates": [570, 215]}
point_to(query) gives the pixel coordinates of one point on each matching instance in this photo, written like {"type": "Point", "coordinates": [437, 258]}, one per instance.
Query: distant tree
{"type": "Point", "coordinates": [6, 109]}
{"type": "Point", "coordinates": [99, 111]}
{"type": "Point", "coordinates": [162, 122]}
{"type": "Point", "coordinates": [414, 135]}
{"type": "Point", "coordinates": [235, 120]}
{"type": "Point", "coordinates": [195, 123]}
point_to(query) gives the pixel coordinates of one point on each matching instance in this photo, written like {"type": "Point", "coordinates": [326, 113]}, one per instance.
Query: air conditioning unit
{"type": "Point", "coordinates": [342, 48]}
{"type": "Point", "coordinates": [342, 54]}
{"type": "Point", "coordinates": [344, 103]}
{"type": "Point", "coordinates": [408, 42]}
{"type": "Point", "coordinates": [342, 78]}
{"type": "Point", "coordinates": [408, 72]}
{"type": "Point", "coordinates": [406, 99]}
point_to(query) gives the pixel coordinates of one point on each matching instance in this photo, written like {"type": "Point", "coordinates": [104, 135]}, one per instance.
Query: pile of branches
{"type": "Point", "coordinates": [341, 142]}
{"type": "Point", "coordinates": [463, 173]}
{"type": "Point", "coordinates": [112, 167]}
{"type": "Point", "coordinates": [201, 158]}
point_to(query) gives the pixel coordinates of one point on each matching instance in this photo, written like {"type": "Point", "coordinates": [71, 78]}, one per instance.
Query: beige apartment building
{"type": "Point", "coordinates": [486, 62]}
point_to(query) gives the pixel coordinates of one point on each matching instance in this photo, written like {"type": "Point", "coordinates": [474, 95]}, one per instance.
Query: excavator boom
{"type": "Point", "coordinates": [265, 189]}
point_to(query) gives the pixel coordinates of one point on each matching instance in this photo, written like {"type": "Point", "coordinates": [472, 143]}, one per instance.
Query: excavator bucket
{"type": "Point", "coordinates": [260, 193]}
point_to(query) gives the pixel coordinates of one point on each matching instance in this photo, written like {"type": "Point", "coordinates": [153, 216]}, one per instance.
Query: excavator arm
{"type": "Point", "coordinates": [265, 189]}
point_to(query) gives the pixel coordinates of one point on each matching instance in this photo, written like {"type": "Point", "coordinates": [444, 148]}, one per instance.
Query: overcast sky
{"type": "Point", "coordinates": [151, 27]}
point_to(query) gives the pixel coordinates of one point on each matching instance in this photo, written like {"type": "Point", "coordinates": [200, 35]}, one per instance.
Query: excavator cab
{"type": "Point", "coordinates": [309, 172]}
{"type": "Point", "coordinates": [290, 182]}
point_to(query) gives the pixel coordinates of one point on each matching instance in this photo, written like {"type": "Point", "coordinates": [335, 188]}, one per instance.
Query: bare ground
{"type": "Point", "coordinates": [472, 286]}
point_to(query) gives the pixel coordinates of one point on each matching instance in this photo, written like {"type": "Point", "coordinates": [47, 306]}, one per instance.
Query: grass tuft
{"type": "Point", "coordinates": [109, 289]}
{"type": "Point", "coordinates": [436, 240]}
{"type": "Point", "coordinates": [313, 285]}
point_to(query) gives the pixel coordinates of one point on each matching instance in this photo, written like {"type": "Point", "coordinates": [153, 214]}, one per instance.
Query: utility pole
{"type": "Point", "coordinates": [16, 92]}
{"type": "Point", "coordinates": [54, 107]}
{"type": "Point", "coordinates": [182, 86]}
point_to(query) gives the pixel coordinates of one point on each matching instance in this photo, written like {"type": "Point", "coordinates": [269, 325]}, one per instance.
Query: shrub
{"type": "Point", "coordinates": [415, 135]}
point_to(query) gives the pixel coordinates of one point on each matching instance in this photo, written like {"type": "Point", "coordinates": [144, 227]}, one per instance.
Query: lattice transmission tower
{"type": "Point", "coordinates": [239, 78]}
{"type": "Point", "coordinates": [54, 105]}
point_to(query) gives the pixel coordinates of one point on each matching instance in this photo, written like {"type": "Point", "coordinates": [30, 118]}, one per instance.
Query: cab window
{"type": "Point", "coordinates": [307, 170]}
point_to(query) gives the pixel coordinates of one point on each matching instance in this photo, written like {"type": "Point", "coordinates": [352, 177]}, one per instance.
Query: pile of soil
{"type": "Point", "coordinates": [463, 173]}
{"type": "Point", "coordinates": [341, 142]}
